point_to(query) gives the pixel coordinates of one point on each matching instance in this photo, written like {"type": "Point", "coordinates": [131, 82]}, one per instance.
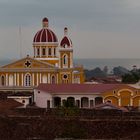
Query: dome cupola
{"type": "Point", "coordinates": [66, 41]}
{"type": "Point", "coordinates": [45, 35]}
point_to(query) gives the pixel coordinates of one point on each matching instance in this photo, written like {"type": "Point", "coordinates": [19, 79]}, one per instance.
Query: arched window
{"type": "Point", "coordinates": [27, 80]}
{"type": "Point", "coordinates": [53, 80]}
{"type": "Point", "coordinates": [65, 59]}
{"type": "Point", "coordinates": [3, 80]}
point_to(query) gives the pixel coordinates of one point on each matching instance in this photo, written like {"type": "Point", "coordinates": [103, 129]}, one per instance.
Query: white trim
{"type": "Point", "coordinates": [66, 49]}
{"type": "Point", "coordinates": [29, 82]}
{"type": "Point", "coordinates": [33, 79]}
{"type": "Point", "coordinates": [46, 43]}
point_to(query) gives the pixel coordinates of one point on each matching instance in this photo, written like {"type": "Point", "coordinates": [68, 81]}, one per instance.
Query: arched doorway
{"type": "Point", "coordinates": [125, 96]}
{"type": "Point", "coordinates": [98, 100]}
{"type": "Point", "coordinates": [57, 101]}
{"type": "Point", "coordinates": [70, 102]}
{"type": "Point", "coordinates": [84, 102]}
{"type": "Point", "coordinates": [53, 80]}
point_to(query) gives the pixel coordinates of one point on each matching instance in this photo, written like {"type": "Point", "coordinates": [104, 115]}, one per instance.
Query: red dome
{"type": "Point", "coordinates": [66, 41]}
{"type": "Point", "coordinates": [45, 35]}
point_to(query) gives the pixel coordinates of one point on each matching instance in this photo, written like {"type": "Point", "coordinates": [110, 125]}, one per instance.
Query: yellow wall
{"type": "Point", "coordinates": [123, 96]}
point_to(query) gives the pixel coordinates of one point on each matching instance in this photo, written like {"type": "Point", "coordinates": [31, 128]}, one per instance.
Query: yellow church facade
{"type": "Point", "coordinates": [52, 63]}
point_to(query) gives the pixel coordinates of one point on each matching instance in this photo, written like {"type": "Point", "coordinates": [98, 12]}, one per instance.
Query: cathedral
{"type": "Point", "coordinates": [51, 63]}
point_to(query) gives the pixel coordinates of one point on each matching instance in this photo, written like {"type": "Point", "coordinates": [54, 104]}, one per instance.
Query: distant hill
{"type": "Point", "coordinates": [98, 73]}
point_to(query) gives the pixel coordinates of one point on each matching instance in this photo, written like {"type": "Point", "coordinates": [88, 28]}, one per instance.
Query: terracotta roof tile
{"type": "Point", "coordinates": [78, 88]}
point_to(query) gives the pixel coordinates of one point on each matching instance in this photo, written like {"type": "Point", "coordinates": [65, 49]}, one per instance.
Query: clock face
{"type": "Point", "coordinates": [27, 63]}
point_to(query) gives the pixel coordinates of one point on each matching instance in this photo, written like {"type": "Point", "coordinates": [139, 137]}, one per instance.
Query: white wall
{"type": "Point", "coordinates": [20, 100]}
{"type": "Point", "coordinates": [41, 98]}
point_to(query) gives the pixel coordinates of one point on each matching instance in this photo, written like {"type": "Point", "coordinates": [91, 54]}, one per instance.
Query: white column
{"type": "Point", "coordinates": [6, 79]}
{"type": "Point", "coordinates": [46, 51]}
{"type": "Point", "coordinates": [33, 82]}
{"type": "Point", "coordinates": [49, 78]}
{"type": "Point", "coordinates": [37, 79]}
{"type": "Point", "coordinates": [119, 102]}
{"type": "Point", "coordinates": [40, 78]}
{"type": "Point", "coordinates": [94, 102]}
{"type": "Point", "coordinates": [22, 80]}
{"type": "Point", "coordinates": [51, 105]}
{"type": "Point", "coordinates": [57, 78]}
{"type": "Point", "coordinates": [131, 101]}
{"type": "Point", "coordinates": [71, 60]}
{"type": "Point", "coordinates": [40, 51]}
{"type": "Point", "coordinates": [17, 79]}
{"type": "Point", "coordinates": [52, 52]}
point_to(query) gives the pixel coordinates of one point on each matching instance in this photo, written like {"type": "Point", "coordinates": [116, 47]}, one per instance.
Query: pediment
{"type": "Point", "coordinates": [28, 62]}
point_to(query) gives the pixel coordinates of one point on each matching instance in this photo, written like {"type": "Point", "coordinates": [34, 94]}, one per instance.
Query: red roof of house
{"type": "Point", "coordinates": [9, 104]}
{"type": "Point", "coordinates": [78, 88]}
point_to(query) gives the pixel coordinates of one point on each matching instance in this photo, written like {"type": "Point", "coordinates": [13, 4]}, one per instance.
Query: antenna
{"type": "Point", "coordinates": [20, 41]}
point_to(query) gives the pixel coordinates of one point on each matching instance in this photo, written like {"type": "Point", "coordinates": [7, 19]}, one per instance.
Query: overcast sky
{"type": "Point", "coordinates": [98, 28]}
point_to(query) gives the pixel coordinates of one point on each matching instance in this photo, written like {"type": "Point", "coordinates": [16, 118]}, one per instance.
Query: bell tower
{"type": "Point", "coordinates": [66, 51]}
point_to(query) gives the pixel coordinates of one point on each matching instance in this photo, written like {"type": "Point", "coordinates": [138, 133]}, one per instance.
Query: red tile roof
{"type": "Point", "coordinates": [6, 104]}
{"type": "Point", "coordinates": [78, 88]}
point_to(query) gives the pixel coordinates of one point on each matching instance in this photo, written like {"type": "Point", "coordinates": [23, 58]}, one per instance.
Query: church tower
{"type": "Point", "coordinates": [45, 44]}
{"type": "Point", "coordinates": [66, 51]}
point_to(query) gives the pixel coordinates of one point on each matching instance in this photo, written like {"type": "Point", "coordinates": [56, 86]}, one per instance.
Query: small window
{"type": "Point", "coordinates": [23, 101]}
{"type": "Point", "coordinates": [114, 91]}
{"type": "Point", "coordinates": [50, 51]}
{"type": "Point", "coordinates": [38, 51]}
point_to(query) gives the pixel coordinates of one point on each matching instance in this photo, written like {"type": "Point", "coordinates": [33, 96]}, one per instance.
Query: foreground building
{"type": "Point", "coordinates": [86, 95]}
{"type": "Point", "coordinates": [52, 63]}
